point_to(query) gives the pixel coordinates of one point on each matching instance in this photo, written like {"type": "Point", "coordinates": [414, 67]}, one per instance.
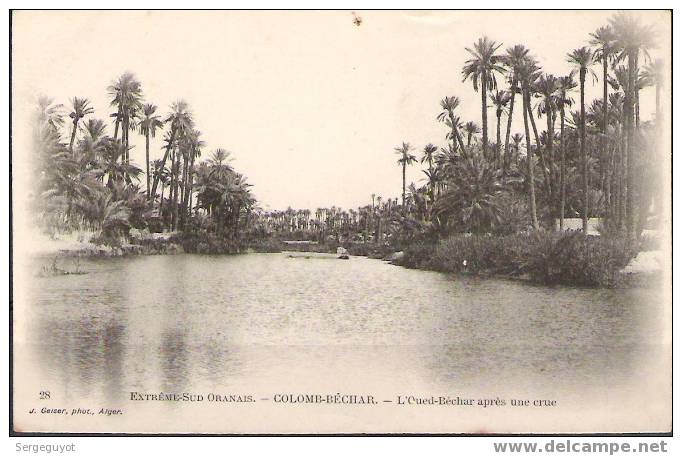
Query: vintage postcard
{"type": "Point", "coordinates": [341, 222]}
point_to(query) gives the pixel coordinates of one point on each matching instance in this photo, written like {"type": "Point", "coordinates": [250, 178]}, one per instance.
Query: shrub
{"type": "Point", "coordinates": [576, 259]}
{"type": "Point", "coordinates": [266, 245]}
{"type": "Point", "coordinates": [546, 257]}
{"type": "Point", "coordinates": [206, 243]}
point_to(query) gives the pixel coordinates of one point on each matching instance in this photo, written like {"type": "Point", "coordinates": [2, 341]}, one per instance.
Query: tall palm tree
{"type": "Point", "coordinates": [79, 109]}
{"type": "Point", "coordinates": [500, 100]}
{"type": "Point", "coordinates": [513, 58]}
{"type": "Point", "coordinates": [447, 115]}
{"type": "Point", "coordinates": [194, 145]}
{"type": "Point", "coordinates": [483, 67]}
{"type": "Point", "coordinates": [633, 38]}
{"type": "Point", "coordinates": [406, 158]}
{"type": "Point", "coordinates": [583, 58]}
{"type": "Point", "coordinates": [527, 72]}
{"type": "Point", "coordinates": [180, 120]}
{"type": "Point", "coordinates": [127, 93]}
{"type": "Point", "coordinates": [564, 100]}
{"type": "Point", "coordinates": [547, 86]}
{"type": "Point", "coordinates": [148, 125]}
{"type": "Point", "coordinates": [605, 52]}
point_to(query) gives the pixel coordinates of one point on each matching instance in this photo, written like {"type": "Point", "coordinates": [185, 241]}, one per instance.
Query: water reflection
{"type": "Point", "coordinates": [195, 323]}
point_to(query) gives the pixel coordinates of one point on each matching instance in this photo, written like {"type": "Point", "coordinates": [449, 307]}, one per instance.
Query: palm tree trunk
{"type": "Point", "coordinates": [583, 153]}
{"type": "Point", "coordinates": [73, 135]}
{"type": "Point", "coordinates": [550, 161]}
{"type": "Point", "coordinates": [455, 133]}
{"type": "Point", "coordinates": [190, 184]}
{"type": "Point", "coordinates": [605, 131]}
{"type": "Point", "coordinates": [562, 171]}
{"type": "Point", "coordinates": [163, 162]}
{"type": "Point", "coordinates": [498, 145]}
{"type": "Point", "coordinates": [538, 148]}
{"type": "Point", "coordinates": [630, 207]}
{"type": "Point", "coordinates": [404, 166]}
{"type": "Point", "coordinates": [623, 178]}
{"type": "Point", "coordinates": [161, 203]}
{"type": "Point", "coordinates": [146, 138]}
{"type": "Point", "coordinates": [509, 123]}
{"type": "Point", "coordinates": [176, 189]}
{"type": "Point", "coordinates": [183, 207]}
{"type": "Point", "coordinates": [126, 143]}
{"type": "Point", "coordinates": [118, 120]}
{"type": "Point", "coordinates": [484, 111]}
{"type": "Point", "coordinates": [529, 158]}
{"type": "Point", "coordinates": [172, 190]}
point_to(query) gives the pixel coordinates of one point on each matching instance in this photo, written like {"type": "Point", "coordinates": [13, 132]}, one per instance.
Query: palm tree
{"type": "Point", "coordinates": [471, 129]}
{"type": "Point", "coordinates": [429, 152]}
{"type": "Point", "coordinates": [483, 66]}
{"type": "Point", "coordinates": [583, 59]}
{"type": "Point", "coordinates": [194, 145]}
{"type": "Point", "coordinates": [428, 155]}
{"type": "Point", "coordinates": [405, 159]}
{"type": "Point", "coordinates": [533, 91]}
{"type": "Point", "coordinates": [49, 114]}
{"type": "Point", "coordinates": [104, 212]}
{"type": "Point", "coordinates": [566, 84]}
{"type": "Point", "coordinates": [127, 93]}
{"type": "Point", "coordinates": [513, 58]}
{"type": "Point", "coordinates": [113, 151]}
{"type": "Point", "coordinates": [148, 125]}
{"type": "Point", "coordinates": [180, 120]}
{"type": "Point", "coordinates": [500, 100]}
{"type": "Point", "coordinates": [79, 109]}
{"type": "Point", "coordinates": [606, 50]}
{"type": "Point", "coordinates": [632, 38]}
{"type": "Point", "coordinates": [162, 173]}
{"type": "Point", "coordinates": [547, 86]}
{"type": "Point", "coordinates": [527, 72]}
{"type": "Point", "coordinates": [472, 200]}
{"type": "Point", "coordinates": [449, 104]}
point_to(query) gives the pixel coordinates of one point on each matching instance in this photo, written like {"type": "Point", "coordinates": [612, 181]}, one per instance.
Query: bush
{"type": "Point", "coordinates": [419, 255]}
{"type": "Point", "coordinates": [266, 245]}
{"type": "Point", "coordinates": [549, 258]}
{"type": "Point", "coordinates": [206, 243]}
{"type": "Point", "coordinates": [577, 259]}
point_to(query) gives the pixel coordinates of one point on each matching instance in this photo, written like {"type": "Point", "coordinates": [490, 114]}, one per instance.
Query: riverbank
{"type": "Point", "coordinates": [85, 244]}
{"type": "Point", "coordinates": [542, 257]}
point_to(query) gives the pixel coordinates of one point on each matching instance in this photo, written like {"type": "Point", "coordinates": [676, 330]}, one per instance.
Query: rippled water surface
{"type": "Point", "coordinates": [264, 324]}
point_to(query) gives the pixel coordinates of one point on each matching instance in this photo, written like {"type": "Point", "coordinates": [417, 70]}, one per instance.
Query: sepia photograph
{"type": "Point", "coordinates": [336, 222]}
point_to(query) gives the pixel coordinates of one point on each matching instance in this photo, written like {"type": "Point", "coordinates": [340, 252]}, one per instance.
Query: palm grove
{"type": "Point", "coordinates": [91, 183]}
{"type": "Point", "coordinates": [581, 159]}
{"type": "Point", "coordinates": [571, 158]}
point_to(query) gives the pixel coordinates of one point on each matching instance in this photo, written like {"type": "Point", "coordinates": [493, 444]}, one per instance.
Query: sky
{"type": "Point", "coordinates": [310, 105]}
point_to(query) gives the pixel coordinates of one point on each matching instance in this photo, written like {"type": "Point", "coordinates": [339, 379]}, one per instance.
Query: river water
{"type": "Point", "coordinates": [265, 325]}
